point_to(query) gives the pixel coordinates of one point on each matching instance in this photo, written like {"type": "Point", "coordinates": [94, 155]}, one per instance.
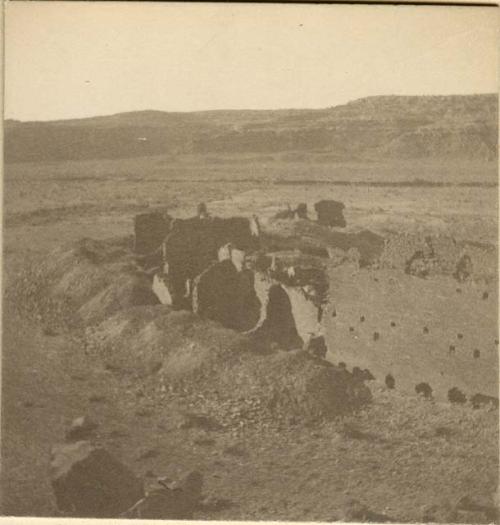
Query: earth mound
{"type": "Point", "coordinates": [82, 283]}
{"type": "Point", "coordinates": [222, 370]}
{"type": "Point", "coordinates": [94, 290]}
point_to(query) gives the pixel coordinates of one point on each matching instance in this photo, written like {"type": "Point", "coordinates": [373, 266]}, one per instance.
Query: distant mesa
{"type": "Point", "coordinates": [374, 128]}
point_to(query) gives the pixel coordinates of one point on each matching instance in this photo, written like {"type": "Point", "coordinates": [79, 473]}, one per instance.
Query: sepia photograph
{"type": "Point", "coordinates": [250, 262]}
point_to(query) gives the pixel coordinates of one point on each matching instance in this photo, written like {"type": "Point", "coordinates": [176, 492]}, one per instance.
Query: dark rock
{"type": "Point", "coordinates": [485, 295]}
{"type": "Point", "coordinates": [463, 269]}
{"type": "Point", "coordinates": [424, 389]}
{"type": "Point", "coordinates": [317, 346]}
{"type": "Point", "coordinates": [81, 428]}
{"type": "Point", "coordinates": [376, 336]}
{"type": "Point", "coordinates": [425, 330]}
{"type": "Point", "coordinates": [455, 395]}
{"type": "Point", "coordinates": [367, 375]}
{"type": "Point", "coordinates": [89, 482]}
{"type": "Point", "coordinates": [390, 382]}
{"type": "Point", "coordinates": [330, 213]}
{"type": "Point", "coordinates": [301, 211]}
{"type": "Point", "coordinates": [479, 400]}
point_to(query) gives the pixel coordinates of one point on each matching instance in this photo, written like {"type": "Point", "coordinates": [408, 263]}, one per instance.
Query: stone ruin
{"type": "Point", "coordinates": [329, 213]}
{"type": "Point", "coordinates": [215, 267]}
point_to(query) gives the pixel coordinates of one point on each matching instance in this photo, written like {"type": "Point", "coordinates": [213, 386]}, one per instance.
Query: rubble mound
{"type": "Point", "coordinates": [424, 255]}
{"type": "Point", "coordinates": [227, 370]}
{"type": "Point", "coordinates": [295, 385]}
{"type": "Point", "coordinates": [312, 238]}
{"type": "Point", "coordinates": [83, 283]}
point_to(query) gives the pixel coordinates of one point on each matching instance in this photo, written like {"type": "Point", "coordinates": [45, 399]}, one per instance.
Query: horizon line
{"type": "Point", "coordinates": [246, 109]}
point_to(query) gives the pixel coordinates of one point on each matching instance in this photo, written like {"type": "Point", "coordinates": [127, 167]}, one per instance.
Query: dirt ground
{"type": "Point", "coordinates": [400, 456]}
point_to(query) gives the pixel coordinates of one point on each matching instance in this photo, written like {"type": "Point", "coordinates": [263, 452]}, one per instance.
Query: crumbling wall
{"type": "Point", "coordinates": [288, 316]}
{"type": "Point", "coordinates": [150, 230]}
{"type": "Point", "coordinates": [193, 245]}
{"type": "Point", "coordinates": [424, 255]}
{"type": "Point", "coordinates": [224, 294]}
{"type": "Point", "coordinates": [330, 213]}
{"type": "Point", "coordinates": [417, 330]}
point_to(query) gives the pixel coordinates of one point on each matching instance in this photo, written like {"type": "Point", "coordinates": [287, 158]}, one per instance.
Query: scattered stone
{"type": "Point", "coordinates": [376, 336]}
{"type": "Point", "coordinates": [81, 428]}
{"type": "Point", "coordinates": [479, 400]}
{"type": "Point", "coordinates": [455, 395]}
{"type": "Point", "coordinates": [485, 295]}
{"type": "Point", "coordinates": [425, 330]}
{"type": "Point", "coordinates": [362, 319]}
{"type": "Point", "coordinates": [358, 373]}
{"type": "Point", "coordinates": [317, 346]}
{"type": "Point", "coordinates": [351, 329]}
{"type": "Point", "coordinates": [476, 354]}
{"type": "Point", "coordinates": [367, 375]}
{"type": "Point", "coordinates": [451, 349]}
{"type": "Point", "coordinates": [393, 324]}
{"type": "Point", "coordinates": [390, 382]}
{"type": "Point", "coordinates": [330, 213]}
{"type": "Point", "coordinates": [89, 482]}
{"type": "Point", "coordinates": [460, 336]}
{"type": "Point", "coordinates": [463, 269]}
{"type": "Point", "coordinates": [424, 389]}
{"type": "Point", "coordinates": [301, 211]}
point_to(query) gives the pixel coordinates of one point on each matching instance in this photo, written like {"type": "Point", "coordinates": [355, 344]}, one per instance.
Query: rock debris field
{"type": "Point", "coordinates": [237, 328]}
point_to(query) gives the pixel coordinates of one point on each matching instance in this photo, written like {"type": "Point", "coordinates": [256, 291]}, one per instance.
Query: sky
{"type": "Point", "coordinates": [71, 59]}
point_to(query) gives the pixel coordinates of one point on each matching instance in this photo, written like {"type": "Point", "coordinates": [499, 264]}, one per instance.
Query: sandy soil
{"type": "Point", "coordinates": [399, 456]}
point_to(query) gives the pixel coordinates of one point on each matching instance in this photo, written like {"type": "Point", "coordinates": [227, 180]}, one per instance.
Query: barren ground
{"type": "Point", "coordinates": [398, 456]}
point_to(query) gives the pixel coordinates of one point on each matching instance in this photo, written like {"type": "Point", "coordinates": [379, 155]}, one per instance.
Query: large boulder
{"type": "Point", "coordinates": [89, 482]}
